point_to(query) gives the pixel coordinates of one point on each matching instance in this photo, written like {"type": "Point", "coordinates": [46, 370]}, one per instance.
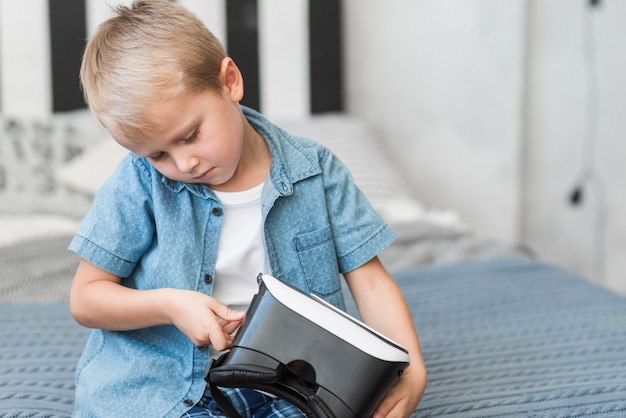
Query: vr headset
{"type": "Point", "coordinates": [302, 349]}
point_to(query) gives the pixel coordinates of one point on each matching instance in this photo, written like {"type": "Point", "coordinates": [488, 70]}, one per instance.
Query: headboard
{"type": "Point", "coordinates": [289, 52]}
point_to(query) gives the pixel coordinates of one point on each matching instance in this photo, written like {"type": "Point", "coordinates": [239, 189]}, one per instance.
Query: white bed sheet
{"type": "Point", "coordinates": [16, 228]}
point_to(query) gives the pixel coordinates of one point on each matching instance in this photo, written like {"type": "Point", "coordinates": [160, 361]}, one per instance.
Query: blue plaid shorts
{"type": "Point", "coordinates": [249, 403]}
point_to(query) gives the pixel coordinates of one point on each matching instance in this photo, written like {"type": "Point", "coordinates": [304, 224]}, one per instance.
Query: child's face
{"type": "Point", "coordinates": [195, 138]}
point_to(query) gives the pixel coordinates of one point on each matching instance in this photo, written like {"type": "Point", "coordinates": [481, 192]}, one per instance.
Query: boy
{"type": "Point", "coordinates": [211, 194]}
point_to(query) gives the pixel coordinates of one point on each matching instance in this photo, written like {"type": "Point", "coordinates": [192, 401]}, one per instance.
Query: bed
{"type": "Point", "coordinates": [503, 333]}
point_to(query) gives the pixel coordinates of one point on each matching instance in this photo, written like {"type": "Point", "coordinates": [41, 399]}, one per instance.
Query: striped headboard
{"type": "Point", "coordinates": [289, 52]}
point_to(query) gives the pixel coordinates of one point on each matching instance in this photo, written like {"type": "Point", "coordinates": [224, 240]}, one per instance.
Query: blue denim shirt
{"type": "Point", "coordinates": [154, 233]}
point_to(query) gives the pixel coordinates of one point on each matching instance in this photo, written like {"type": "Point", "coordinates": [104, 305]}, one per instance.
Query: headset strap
{"type": "Point", "coordinates": [278, 382]}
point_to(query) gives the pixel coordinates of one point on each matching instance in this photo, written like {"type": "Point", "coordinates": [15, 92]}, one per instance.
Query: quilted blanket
{"type": "Point", "coordinates": [504, 337]}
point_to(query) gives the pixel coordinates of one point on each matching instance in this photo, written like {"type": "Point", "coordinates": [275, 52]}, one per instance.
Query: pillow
{"type": "Point", "coordinates": [373, 170]}
{"type": "Point", "coordinates": [87, 173]}
{"type": "Point", "coordinates": [31, 151]}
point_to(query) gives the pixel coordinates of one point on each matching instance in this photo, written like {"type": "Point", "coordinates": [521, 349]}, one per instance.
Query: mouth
{"type": "Point", "coordinates": [204, 175]}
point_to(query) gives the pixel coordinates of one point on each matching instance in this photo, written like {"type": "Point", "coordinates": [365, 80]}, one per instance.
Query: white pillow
{"type": "Point", "coordinates": [88, 173]}
{"type": "Point", "coordinates": [358, 146]}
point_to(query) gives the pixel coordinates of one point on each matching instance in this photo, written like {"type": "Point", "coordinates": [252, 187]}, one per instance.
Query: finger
{"type": "Point", "coordinates": [386, 407]}
{"type": "Point", "coordinates": [230, 326]}
{"type": "Point", "coordinates": [219, 339]}
{"type": "Point", "coordinates": [225, 313]}
{"type": "Point", "coordinates": [228, 314]}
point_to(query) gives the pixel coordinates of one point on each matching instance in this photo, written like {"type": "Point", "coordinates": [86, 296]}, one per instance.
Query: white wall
{"type": "Point", "coordinates": [577, 98]}
{"type": "Point", "coordinates": [442, 80]}
{"type": "Point", "coordinates": [485, 104]}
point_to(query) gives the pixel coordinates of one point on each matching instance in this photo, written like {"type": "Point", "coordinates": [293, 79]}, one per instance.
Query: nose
{"type": "Point", "coordinates": [185, 162]}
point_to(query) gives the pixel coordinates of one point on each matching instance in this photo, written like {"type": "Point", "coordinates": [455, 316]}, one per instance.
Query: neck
{"type": "Point", "coordinates": [254, 164]}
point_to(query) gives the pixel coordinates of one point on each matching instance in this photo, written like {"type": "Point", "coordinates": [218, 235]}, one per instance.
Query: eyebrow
{"type": "Point", "coordinates": [182, 137]}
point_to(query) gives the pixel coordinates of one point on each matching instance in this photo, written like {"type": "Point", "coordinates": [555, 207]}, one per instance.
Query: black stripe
{"type": "Point", "coordinates": [243, 46]}
{"type": "Point", "coordinates": [326, 53]}
{"type": "Point", "coordinates": [67, 40]}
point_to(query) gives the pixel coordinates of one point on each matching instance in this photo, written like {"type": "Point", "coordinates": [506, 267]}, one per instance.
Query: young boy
{"type": "Point", "coordinates": [211, 194]}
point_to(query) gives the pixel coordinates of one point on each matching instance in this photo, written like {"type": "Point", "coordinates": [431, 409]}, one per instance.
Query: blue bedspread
{"type": "Point", "coordinates": [501, 338]}
{"type": "Point", "coordinates": [39, 348]}
{"type": "Point", "coordinates": [518, 338]}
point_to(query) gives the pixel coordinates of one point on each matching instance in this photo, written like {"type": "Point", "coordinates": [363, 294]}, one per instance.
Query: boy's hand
{"type": "Point", "coordinates": [203, 319]}
{"type": "Point", "coordinates": [98, 300]}
{"type": "Point", "coordinates": [402, 398]}
{"type": "Point", "coordinates": [383, 307]}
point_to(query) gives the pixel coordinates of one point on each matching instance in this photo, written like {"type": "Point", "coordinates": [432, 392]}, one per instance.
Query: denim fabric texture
{"type": "Point", "coordinates": [248, 402]}
{"type": "Point", "coordinates": [154, 233]}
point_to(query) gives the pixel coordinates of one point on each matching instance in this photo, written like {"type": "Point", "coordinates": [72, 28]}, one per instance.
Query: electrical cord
{"type": "Point", "coordinates": [589, 177]}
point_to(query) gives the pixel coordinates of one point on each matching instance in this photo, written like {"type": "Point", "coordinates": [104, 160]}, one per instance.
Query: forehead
{"type": "Point", "coordinates": [173, 120]}
{"type": "Point", "coordinates": [162, 116]}
{"type": "Point", "coordinates": [166, 123]}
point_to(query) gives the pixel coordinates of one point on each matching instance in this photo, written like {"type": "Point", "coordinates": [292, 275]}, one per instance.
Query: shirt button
{"type": "Point", "coordinates": [208, 278]}
{"type": "Point", "coordinates": [216, 211]}
{"type": "Point", "coordinates": [188, 402]}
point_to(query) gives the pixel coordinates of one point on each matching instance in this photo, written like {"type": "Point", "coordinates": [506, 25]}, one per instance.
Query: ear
{"type": "Point", "coordinates": [232, 79]}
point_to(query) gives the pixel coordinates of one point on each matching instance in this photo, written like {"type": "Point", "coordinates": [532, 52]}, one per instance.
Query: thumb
{"type": "Point", "coordinates": [227, 314]}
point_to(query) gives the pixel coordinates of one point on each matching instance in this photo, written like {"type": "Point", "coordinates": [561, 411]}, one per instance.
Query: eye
{"type": "Point", "coordinates": [191, 138]}
{"type": "Point", "coordinates": [157, 157]}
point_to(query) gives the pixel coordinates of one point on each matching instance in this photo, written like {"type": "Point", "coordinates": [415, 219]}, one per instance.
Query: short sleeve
{"type": "Point", "coordinates": [359, 232]}
{"type": "Point", "coordinates": [119, 227]}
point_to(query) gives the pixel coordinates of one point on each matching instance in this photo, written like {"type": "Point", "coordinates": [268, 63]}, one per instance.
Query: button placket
{"type": "Point", "coordinates": [214, 219]}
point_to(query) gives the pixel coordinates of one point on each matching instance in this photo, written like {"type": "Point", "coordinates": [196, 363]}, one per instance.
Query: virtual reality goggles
{"type": "Point", "coordinates": [302, 349]}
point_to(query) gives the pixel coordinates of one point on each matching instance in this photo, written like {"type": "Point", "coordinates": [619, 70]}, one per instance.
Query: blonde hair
{"type": "Point", "coordinates": [146, 53]}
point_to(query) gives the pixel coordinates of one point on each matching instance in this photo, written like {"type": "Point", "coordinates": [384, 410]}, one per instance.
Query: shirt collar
{"type": "Point", "coordinates": [291, 162]}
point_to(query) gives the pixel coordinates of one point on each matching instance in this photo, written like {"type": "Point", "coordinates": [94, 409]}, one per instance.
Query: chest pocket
{"type": "Point", "coordinates": [318, 260]}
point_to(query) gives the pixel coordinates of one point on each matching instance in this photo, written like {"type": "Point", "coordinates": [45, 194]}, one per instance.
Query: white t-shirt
{"type": "Point", "coordinates": [241, 251]}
